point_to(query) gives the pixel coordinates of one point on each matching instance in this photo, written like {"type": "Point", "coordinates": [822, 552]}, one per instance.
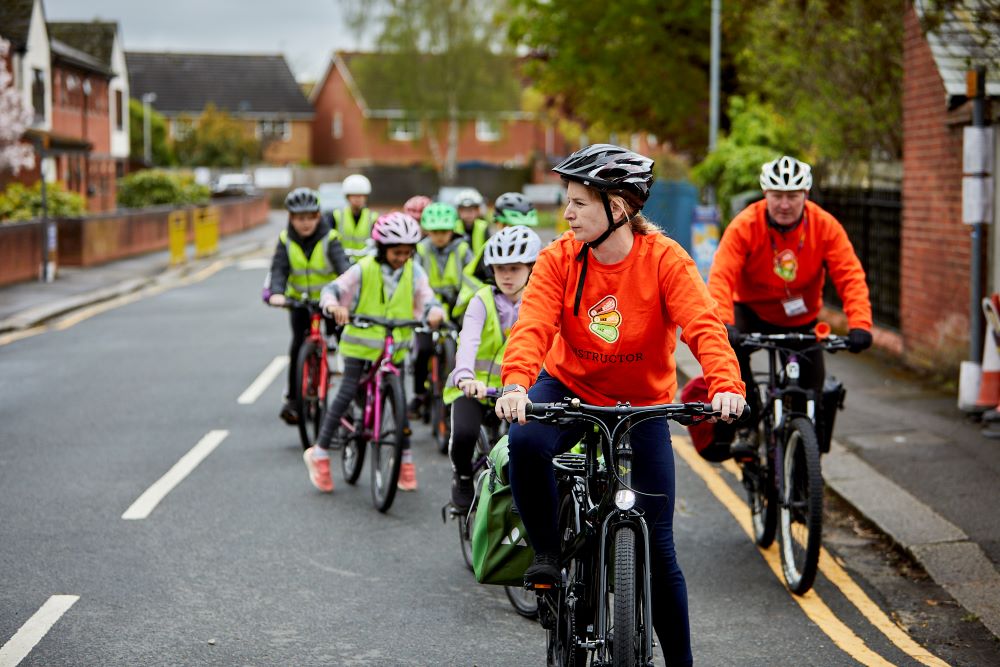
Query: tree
{"type": "Point", "coordinates": [161, 154]}
{"type": "Point", "coordinates": [439, 62]}
{"type": "Point", "coordinates": [758, 135]}
{"type": "Point", "coordinates": [833, 68]}
{"type": "Point", "coordinates": [15, 118]}
{"type": "Point", "coordinates": [215, 139]}
{"type": "Point", "coordinates": [630, 66]}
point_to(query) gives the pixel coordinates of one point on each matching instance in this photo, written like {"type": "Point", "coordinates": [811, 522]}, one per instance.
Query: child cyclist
{"type": "Point", "coordinates": [354, 221]}
{"type": "Point", "coordinates": [511, 254]}
{"type": "Point", "coordinates": [443, 255]}
{"type": "Point", "coordinates": [511, 209]}
{"type": "Point", "coordinates": [471, 224]}
{"type": "Point", "coordinates": [387, 285]}
{"type": "Point", "coordinates": [308, 256]}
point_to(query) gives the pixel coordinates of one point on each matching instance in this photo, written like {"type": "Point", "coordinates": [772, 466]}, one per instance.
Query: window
{"type": "Point", "coordinates": [487, 130]}
{"type": "Point", "coordinates": [401, 129]}
{"type": "Point", "coordinates": [119, 115]}
{"type": "Point", "coordinates": [274, 130]}
{"type": "Point", "coordinates": [338, 125]}
{"type": "Point", "coordinates": [38, 95]}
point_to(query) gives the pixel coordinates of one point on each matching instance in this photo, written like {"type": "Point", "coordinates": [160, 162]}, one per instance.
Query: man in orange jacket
{"type": "Point", "coordinates": [768, 274]}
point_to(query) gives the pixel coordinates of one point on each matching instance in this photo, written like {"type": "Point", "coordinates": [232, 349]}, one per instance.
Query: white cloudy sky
{"type": "Point", "coordinates": [305, 31]}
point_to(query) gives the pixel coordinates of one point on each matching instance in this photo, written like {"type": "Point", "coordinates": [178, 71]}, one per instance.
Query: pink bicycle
{"type": "Point", "coordinates": [376, 419]}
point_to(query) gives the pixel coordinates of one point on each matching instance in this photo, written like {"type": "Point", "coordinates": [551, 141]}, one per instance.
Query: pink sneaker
{"type": "Point", "coordinates": [407, 477]}
{"type": "Point", "coordinates": [319, 471]}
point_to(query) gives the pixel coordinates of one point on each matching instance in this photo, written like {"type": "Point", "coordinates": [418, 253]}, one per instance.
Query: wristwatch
{"type": "Point", "coordinates": [512, 388]}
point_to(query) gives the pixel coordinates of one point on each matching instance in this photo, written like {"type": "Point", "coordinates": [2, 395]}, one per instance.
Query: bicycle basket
{"type": "Point", "coordinates": [500, 549]}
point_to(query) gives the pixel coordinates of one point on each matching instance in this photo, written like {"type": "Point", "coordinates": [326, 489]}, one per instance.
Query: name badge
{"type": "Point", "coordinates": [795, 305]}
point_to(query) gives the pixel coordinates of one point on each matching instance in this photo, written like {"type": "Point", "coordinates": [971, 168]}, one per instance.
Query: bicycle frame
{"type": "Point", "coordinates": [372, 384]}
{"type": "Point", "coordinates": [316, 337]}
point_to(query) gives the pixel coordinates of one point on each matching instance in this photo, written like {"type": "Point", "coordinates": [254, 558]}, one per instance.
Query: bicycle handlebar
{"type": "Point", "coordinates": [831, 343]}
{"type": "Point", "coordinates": [290, 303]}
{"type": "Point", "coordinates": [682, 413]}
{"type": "Point", "coordinates": [365, 321]}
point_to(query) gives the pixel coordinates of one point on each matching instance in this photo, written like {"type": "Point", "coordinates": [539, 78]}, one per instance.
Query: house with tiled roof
{"type": "Point", "coordinates": [936, 256]}
{"type": "Point", "coordinates": [260, 90]}
{"type": "Point", "coordinates": [358, 126]}
{"type": "Point", "coordinates": [22, 23]}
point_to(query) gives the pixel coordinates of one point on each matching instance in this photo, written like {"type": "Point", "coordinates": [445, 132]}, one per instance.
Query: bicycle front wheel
{"type": "Point", "coordinates": [801, 508]}
{"type": "Point", "coordinates": [386, 449]}
{"type": "Point", "coordinates": [762, 494]}
{"type": "Point", "coordinates": [626, 647]}
{"type": "Point", "coordinates": [312, 378]}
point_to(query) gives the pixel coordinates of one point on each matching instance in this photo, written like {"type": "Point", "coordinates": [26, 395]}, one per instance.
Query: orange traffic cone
{"type": "Point", "coordinates": [989, 385]}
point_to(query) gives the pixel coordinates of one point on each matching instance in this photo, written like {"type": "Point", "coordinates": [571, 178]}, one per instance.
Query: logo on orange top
{"type": "Point", "coordinates": [605, 318]}
{"type": "Point", "coordinates": [786, 265]}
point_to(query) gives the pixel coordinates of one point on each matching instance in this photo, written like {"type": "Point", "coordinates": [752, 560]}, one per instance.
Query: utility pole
{"type": "Point", "coordinates": [713, 87]}
{"type": "Point", "coordinates": [147, 144]}
{"type": "Point", "coordinates": [976, 200]}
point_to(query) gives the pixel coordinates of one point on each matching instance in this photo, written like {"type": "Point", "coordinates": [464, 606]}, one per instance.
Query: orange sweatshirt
{"type": "Point", "coordinates": [621, 345]}
{"type": "Point", "coordinates": [752, 254]}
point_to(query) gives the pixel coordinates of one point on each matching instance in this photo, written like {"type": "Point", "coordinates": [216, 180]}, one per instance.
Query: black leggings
{"type": "Point", "coordinates": [424, 343]}
{"type": "Point", "coordinates": [354, 368]}
{"type": "Point", "coordinates": [300, 320]}
{"type": "Point", "coordinates": [467, 415]}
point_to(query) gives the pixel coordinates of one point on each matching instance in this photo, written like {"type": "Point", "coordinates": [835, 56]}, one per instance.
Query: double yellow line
{"type": "Point", "coordinates": [811, 603]}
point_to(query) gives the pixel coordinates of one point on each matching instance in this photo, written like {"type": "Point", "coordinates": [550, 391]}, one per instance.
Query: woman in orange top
{"type": "Point", "coordinates": [768, 274]}
{"type": "Point", "coordinates": [597, 322]}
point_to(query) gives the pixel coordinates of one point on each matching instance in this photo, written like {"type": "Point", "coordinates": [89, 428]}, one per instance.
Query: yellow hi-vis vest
{"type": "Point", "coordinates": [307, 276]}
{"type": "Point", "coordinates": [353, 234]}
{"type": "Point", "coordinates": [479, 233]}
{"type": "Point", "coordinates": [470, 286]}
{"type": "Point", "coordinates": [448, 281]}
{"type": "Point", "coordinates": [367, 343]}
{"type": "Point", "coordinates": [492, 345]}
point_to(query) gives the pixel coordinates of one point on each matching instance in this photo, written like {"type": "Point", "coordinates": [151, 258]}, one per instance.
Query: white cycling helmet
{"type": "Point", "coordinates": [468, 198]}
{"type": "Point", "coordinates": [512, 245]}
{"type": "Point", "coordinates": [786, 174]}
{"type": "Point", "coordinates": [356, 184]}
{"type": "Point", "coordinates": [396, 229]}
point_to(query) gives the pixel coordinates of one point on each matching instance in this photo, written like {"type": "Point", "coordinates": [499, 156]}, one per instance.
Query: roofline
{"type": "Point", "coordinates": [240, 115]}
{"type": "Point", "coordinates": [352, 85]}
{"type": "Point", "coordinates": [60, 50]}
{"type": "Point", "coordinates": [465, 115]}
{"type": "Point", "coordinates": [161, 52]}
{"type": "Point", "coordinates": [321, 82]}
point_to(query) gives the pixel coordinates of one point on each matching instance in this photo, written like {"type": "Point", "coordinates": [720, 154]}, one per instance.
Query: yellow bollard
{"type": "Point", "coordinates": [177, 232]}
{"type": "Point", "coordinates": [206, 231]}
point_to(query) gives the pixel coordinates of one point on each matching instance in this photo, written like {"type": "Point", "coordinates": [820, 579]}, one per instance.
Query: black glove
{"type": "Point", "coordinates": [858, 339]}
{"type": "Point", "coordinates": [735, 337]}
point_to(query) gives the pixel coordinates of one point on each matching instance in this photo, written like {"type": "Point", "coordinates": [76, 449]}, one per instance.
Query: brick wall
{"type": "Point", "coordinates": [934, 302]}
{"type": "Point", "coordinates": [293, 150]}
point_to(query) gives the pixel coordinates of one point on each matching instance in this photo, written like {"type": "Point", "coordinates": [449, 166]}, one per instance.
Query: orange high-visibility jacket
{"type": "Point", "coordinates": [620, 346]}
{"type": "Point", "coordinates": [752, 254]}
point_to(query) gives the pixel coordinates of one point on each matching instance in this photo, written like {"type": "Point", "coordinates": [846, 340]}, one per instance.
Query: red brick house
{"type": "Point", "coordinates": [936, 246]}
{"type": "Point", "coordinates": [351, 129]}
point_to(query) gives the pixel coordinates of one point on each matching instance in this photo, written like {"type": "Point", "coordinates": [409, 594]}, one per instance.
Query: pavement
{"type": "Point", "coordinates": [903, 455]}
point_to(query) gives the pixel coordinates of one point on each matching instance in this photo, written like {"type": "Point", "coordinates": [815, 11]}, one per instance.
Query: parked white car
{"type": "Point", "coordinates": [227, 185]}
{"type": "Point", "coordinates": [331, 197]}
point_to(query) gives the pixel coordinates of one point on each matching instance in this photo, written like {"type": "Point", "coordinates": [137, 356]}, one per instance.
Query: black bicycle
{"type": "Point", "coordinates": [442, 363]}
{"type": "Point", "coordinates": [784, 483]}
{"type": "Point", "coordinates": [602, 605]}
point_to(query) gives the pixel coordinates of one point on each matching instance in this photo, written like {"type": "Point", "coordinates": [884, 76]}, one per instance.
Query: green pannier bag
{"type": "Point", "coordinates": [500, 550]}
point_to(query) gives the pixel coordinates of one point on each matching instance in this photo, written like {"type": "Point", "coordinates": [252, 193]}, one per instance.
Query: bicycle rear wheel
{"type": "Point", "coordinates": [801, 507]}
{"type": "Point", "coordinates": [311, 380]}
{"type": "Point", "coordinates": [352, 453]}
{"type": "Point", "coordinates": [386, 449]}
{"type": "Point", "coordinates": [626, 607]}
{"type": "Point", "coordinates": [525, 602]}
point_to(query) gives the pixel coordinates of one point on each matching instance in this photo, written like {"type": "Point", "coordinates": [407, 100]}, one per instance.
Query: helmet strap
{"type": "Point", "coordinates": [583, 255]}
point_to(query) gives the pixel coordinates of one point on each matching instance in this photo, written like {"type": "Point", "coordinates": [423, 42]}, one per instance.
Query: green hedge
{"type": "Point", "coordinates": [155, 187]}
{"type": "Point", "coordinates": [19, 202]}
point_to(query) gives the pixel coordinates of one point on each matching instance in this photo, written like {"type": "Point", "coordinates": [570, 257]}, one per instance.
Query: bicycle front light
{"type": "Point", "coordinates": [625, 499]}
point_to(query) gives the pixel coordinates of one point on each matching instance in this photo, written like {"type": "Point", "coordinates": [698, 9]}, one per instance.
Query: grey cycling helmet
{"type": "Point", "coordinates": [611, 169]}
{"type": "Point", "coordinates": [512, 245]}
{"type": "Point", "coordinates": [302, 200]}
{"type": "Point", "coordinates": [786, 174]}
{"type": "Point", "coordinates": [513, 208]}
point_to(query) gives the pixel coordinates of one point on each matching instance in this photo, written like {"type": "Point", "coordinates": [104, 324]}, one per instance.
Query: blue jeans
{"type": "Point", "coordinates": [533, 483]}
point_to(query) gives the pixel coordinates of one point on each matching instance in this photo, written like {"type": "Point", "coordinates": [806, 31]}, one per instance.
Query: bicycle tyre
{"type": "Point", "coordinates": [762, 494]}
{"type": "Point", "coordinates": [523, 601]}
{"type": "Point", "coordinates": [386, 450]}
{"type": "Point", "coordinates": [801, 507]}
{"type": "Point", "coordinates": [312, 397]}
{"type": "Point", "coordinates": [626, 646]}
{"type": "Point", "coordinates": [352, 454]}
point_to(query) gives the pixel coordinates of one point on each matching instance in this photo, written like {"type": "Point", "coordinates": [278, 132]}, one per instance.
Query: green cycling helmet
{"type": "Point", "coordinates": [439, 217]}
{"type": "Point", "coordinates": [513, 208]}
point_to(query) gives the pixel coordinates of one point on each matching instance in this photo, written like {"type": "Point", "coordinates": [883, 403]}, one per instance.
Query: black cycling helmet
{"type": "Point", "coordinates": [609, 169]}
{"type": "Point", "coordinates": [612, 169]}
{"type": "Point", "coordinates": [302, 200]}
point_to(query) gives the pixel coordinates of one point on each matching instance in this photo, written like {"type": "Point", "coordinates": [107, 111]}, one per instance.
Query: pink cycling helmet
{"type": "Point", "coordinates": [415, 206]}
{"type": "Point", "coordinates": [396, 228]}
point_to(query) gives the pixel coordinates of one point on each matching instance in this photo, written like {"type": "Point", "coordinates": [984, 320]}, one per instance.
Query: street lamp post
{"type": "Point", "coordinates": [147, 144]}
{"type": "Point", "coordinates": [713, 87]}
